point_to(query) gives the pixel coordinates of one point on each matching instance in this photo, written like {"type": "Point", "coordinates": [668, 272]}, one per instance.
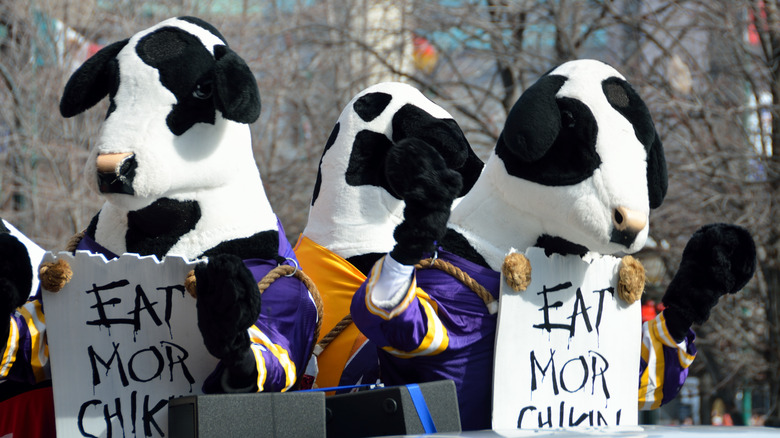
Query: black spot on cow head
{"type": "Point", "coordinates": [367, 161]}
{"type": "Point", "coordinates": [328, 145]}
{"type": "Point", "coordinates": [186, 69]}
{"type": "Point", "coordinates": [3, 228]}
{"type": "Point", "coordinates": [371, 105]}
{"type": "Point", "coordinates": [156, 228]}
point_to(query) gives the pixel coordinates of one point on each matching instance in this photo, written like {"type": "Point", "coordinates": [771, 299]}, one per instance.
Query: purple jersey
{"type": "Point", "coordinates": [440, 330]}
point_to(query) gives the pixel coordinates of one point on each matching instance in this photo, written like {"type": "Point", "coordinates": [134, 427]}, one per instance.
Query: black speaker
{"type": "Point", "coordinates": [392, 411]}
{"type": "Point", "coordinates": [282, 415]}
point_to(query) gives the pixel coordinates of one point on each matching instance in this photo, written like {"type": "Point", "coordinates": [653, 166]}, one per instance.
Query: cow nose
{"type": "Point", "coordinates": [116, 173]}
{"type": "Point", "coordinates": [110, 163]}
{"type": "Point", "coordinates": [625, 219]}
{"type": "Point", "coordinates": [627, 225]}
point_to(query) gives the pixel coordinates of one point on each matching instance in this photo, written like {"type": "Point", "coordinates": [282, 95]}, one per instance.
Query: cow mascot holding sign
{"type": "Point", "coordinates": [174, 163]}
{"type": "Point", "coordinates": [575, 172]}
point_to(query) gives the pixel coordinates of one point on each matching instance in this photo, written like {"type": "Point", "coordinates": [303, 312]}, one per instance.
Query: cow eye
{"type": "Point", "coordinates": [202, 91]}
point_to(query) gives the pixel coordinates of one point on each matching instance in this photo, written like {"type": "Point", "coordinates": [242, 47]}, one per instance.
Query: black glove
{"type": "Point", "coordinates": [719, 259]}
{"type": "Point", "coordinates": [419, 175]}
{"type": "Point", "coordinates": [228, 304]}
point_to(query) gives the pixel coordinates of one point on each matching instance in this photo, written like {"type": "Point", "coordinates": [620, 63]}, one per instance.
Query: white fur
{"type": "Point", "coordinates": [503, 211]}
{"type": "Point", "coordinates": [351, 220]}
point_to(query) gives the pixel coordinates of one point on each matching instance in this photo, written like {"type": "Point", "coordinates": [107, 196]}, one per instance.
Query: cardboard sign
{"type": "Point", "coordinates": [567, 348]}
{"type": "Point", "coordinates": [123, 339]}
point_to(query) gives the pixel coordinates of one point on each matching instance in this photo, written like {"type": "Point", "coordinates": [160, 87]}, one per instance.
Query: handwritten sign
{"type": "Point", "coordinates": [567, 348]}
{"type": "Point", "coordinates": [123, 340]}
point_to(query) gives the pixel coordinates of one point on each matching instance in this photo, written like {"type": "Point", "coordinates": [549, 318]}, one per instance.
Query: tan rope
{"type": "Point", "coordinates": [459, 275]}
{"type": "Point", "coordinates": [287, 271]}
{"type": "Point", "coordinates": [74, 241]}
{"type": "Point", "coordinates": [449, 268]}
{"type": "Point", "coordinates": [333, 333]}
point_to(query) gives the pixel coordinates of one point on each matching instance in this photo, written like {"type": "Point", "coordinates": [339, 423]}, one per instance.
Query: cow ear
{"type": "Point", "coordinates": [91, 82]}
{"type": "Point", "coordinates": [534, 121]}
{"type": "Point", "coordinates": [657, 179]}
{"type": "Point", "coordinates": [236, 93]}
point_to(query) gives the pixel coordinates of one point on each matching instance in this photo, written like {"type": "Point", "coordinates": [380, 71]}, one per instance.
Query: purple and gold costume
{"type": "Point", "coordinates": [282, 337]}
{"type": "Point", "coordinates": [440, 330]}
{"type": "Point", "coordinates": [443, 330]}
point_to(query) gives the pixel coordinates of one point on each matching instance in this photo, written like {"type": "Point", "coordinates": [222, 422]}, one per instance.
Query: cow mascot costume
{"type": "Point", "coordinates": [576, 170]}
{"type": "Point", "coordinates": [354, 211]}
{"type": "Point", "coordinates": [174, 163]}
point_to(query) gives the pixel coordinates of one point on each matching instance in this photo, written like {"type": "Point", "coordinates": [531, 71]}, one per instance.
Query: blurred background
{"type": "Point", "coordinates": [709, 71]}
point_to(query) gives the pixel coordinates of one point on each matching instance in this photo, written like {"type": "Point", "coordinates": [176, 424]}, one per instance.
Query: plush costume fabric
{"type": "Point", "coordinates": [356, 207]}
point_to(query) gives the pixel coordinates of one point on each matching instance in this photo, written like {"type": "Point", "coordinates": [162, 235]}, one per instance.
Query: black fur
{"type": "Point", "coordinates": [719, 259]}
{"type": "Point", "coordinates": [261, 245]}
{"type": "Point", "coordinates": [15, 281]}
{"type": "Point", "coordinates": [445, 136]}
{"type": "Point", "coordinates": [156, 228]}
{"type": "Point", "coordinates": [533, 122]}
{"type": "Point", "coordinates": [98, 76]}
{"type": "Point", "coordinates": [364, 262]}
{"type": "Point", "coordinates": [570, 159]}
{"type": "Point", "coordinates": [228, 304]}
{"type": "Point", "coordinates": [318, 182]}
{"type": "Point", "coordinates": [558, 245]}
{"type": "Point", "coordinates": [367, 161]}
{"type": "Point", "coordinates": [418, 173]}
{"type": "Point", "coordinates": [15, 274]}
{"type": "Point", "coordinates": [237, 96]}
{"type": "Point", "coordinates": [455, 243]}
{"type": "Point", "coordinates": [371, 105]}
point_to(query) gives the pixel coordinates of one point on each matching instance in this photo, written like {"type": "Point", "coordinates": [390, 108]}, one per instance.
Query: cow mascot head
{"type": "Point", "coordinates": [174, 163]}
{"type": "Point", "coordinates": [576, 171]}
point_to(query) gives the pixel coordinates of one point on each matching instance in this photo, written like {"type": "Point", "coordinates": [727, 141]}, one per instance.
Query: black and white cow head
{"type": "Point", "coordinates": [180, 100]}
{"type": "Point", "coordinates": [176, 136]}
{"type": "Point", "coordinates": [578, 166]}
{"type": "Point", "coordinates": [354, 210]}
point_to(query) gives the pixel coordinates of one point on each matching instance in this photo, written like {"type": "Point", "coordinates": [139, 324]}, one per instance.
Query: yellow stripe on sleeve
{"type": "Point", "coordinates": [33, 316]}
{"type": "Point", "coordinates": [9, 355]}
{"type": "Point", "coordinates": [282, 355]}
{"type": "Point", "coordinates": [436, 338]}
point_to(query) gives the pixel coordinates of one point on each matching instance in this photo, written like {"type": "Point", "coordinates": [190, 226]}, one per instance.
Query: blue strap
{"type": "Point", "coordinates": [339, 388]}
{"type": "Point", "coordinates": [422, 408]}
